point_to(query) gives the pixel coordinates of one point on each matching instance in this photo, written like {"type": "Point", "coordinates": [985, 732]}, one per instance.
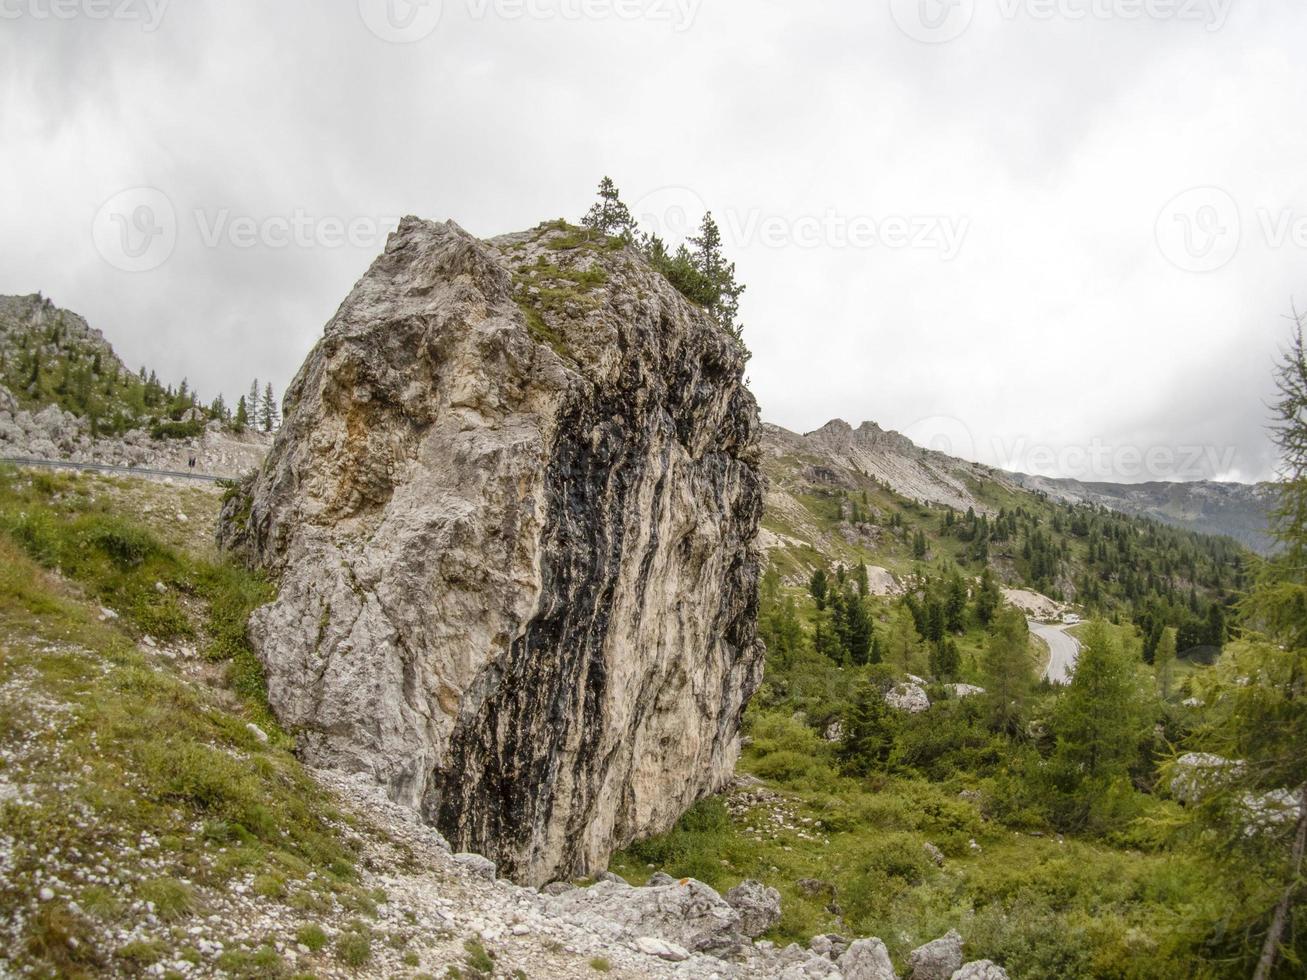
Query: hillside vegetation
{"type": "Point", "coordinates": [910, 771]}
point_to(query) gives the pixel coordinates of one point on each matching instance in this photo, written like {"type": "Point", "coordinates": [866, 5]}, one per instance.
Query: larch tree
{"type": "Point", "coordinates": [1253, 822]}
{"type": "Point", "coordinates": [1009, 672]}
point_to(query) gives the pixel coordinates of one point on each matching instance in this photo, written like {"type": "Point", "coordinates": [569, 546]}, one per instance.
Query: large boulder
{"type": "Point", "coordinates": [758, 905]}
{"type": "Point", "coordinates": [511, 511]}
{"type": "Point", "coordinates": [867, 959]}
{"type": "Point", "coordinates": [908, 696]}
{"type": "Point", "coordinates": [937, 960]}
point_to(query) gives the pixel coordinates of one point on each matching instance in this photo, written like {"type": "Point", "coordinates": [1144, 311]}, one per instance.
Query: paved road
{"type": "Point", "coordinates": [1063, 647]}
{"type": "Point", "coordinates": [106, 468]}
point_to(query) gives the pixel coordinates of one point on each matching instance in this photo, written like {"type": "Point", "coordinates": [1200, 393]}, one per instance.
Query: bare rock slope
{"type": "Point", "coordinates": [512, 511]}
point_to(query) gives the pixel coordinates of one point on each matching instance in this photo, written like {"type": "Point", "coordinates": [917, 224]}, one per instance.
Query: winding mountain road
{"type": "Point", "coordinates": [1063, 648]}
{"type": "Point", "coordinates": [106, 468]}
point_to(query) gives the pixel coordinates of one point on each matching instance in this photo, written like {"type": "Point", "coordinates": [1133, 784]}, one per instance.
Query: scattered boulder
{"type": "Point", "coordinates": [662, 949]}
{"type": "Point", "coordinates": [796, 963]}
{"type": "Point", "coordinates": [758, 905]}
{"type": "Point", "coordinates": [961, 691]}
{"type": "Point", "coordinates": [687, 913]}
{"type": "Point", "coordinates": [8, 403]}
{"type": "Point", "coordinates": [830, 945]}
{"type": "Point", "coordinates": [934, 853]}
{"type": "Point", "coordinates": [477, 864]}
{"type": "Point", "coordinates": [658, 879]}
{"type": "Point", "coordinates": [610, 876]}
{"type": "Point", "coordinates": [834, 732]}
{"type": "Point", "coordinates": [257, 732]}
{"type": "Point", "coordinates": [909, 697]}
{"type": "Point", "coordinates": [1197, 773]}
{"type": "Point", "coordinates": [867, 959]}
{"type": "Point", "coordinates": [980, 970]}
{"type": "Point", "coordinates": [937, 960]}
{"type": "Point", "coordinates": [557, 888]}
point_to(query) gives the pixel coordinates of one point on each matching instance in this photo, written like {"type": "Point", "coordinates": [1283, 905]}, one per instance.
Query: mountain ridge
{"type": "Point", "coordinates": [1222, 508]}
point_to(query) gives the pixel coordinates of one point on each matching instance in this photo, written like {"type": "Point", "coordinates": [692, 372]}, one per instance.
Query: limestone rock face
{"type": "Point", "coordinates": [511, 511]}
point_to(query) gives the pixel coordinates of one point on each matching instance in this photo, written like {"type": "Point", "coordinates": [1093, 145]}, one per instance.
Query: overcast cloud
{"type": "Point", "coordinates": [1057, 235]}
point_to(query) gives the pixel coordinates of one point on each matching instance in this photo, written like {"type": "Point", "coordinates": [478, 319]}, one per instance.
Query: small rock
{"type": "Point", "coordinates": [610, 876]}
{"type": "Point", "coordinates": [829, 945]}
{"type": "Point", "coordinates": [557, 888]}
{"type": "Point", "coordinates": [934, 853]}
{"type": "Point", "coordinates": [257, 732]}
{"type": "Point", "coordinates": [662, 949]}
{"type": "Point", "coordinates": [477, 864]}
{"type": "Point", "coordinates": [980, 970]}
{"type": "Point", "coordinates": [937, 960]}
{"type": "Point", "coordinates": [107, 615]}
{"type": "Point", "coordinates": [812, 887]}
{"type": "Point", "coordinates": [659, 879]}
{"type": "Point", "coordinates": [160, 588]}
{"type": "Point", "coordinates": [47, 894]}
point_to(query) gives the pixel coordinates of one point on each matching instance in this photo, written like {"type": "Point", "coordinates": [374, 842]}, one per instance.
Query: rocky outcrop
{"type": "Point", "coordinates": [511, 510]}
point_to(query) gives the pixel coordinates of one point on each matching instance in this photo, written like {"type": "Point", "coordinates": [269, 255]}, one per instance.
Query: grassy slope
{"type": "Point", "coordinates": [1044, 905]}
{"type": "Point", "coordinates": [138, 797]}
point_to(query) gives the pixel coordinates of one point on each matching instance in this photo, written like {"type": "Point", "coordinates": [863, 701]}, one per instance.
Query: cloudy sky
{"type": "Point", "coordinates": [1056, 235]}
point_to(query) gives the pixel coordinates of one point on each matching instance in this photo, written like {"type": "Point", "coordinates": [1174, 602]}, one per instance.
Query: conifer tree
{"type": "Point", "coordinates": [1164, 662]}
{"type": "Point", "coordinates": [869, 725]}
{"type": "Point", "coordinates": [1008, 671]}
{"type": "Point", "coordinates": [819, 587]}
{"type": "Point", "coordinates": [609, 216]}
{"type": "Point", "coordinates": [1257, 714]}
{"type": "Point", "coordinates": [269, 415]}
